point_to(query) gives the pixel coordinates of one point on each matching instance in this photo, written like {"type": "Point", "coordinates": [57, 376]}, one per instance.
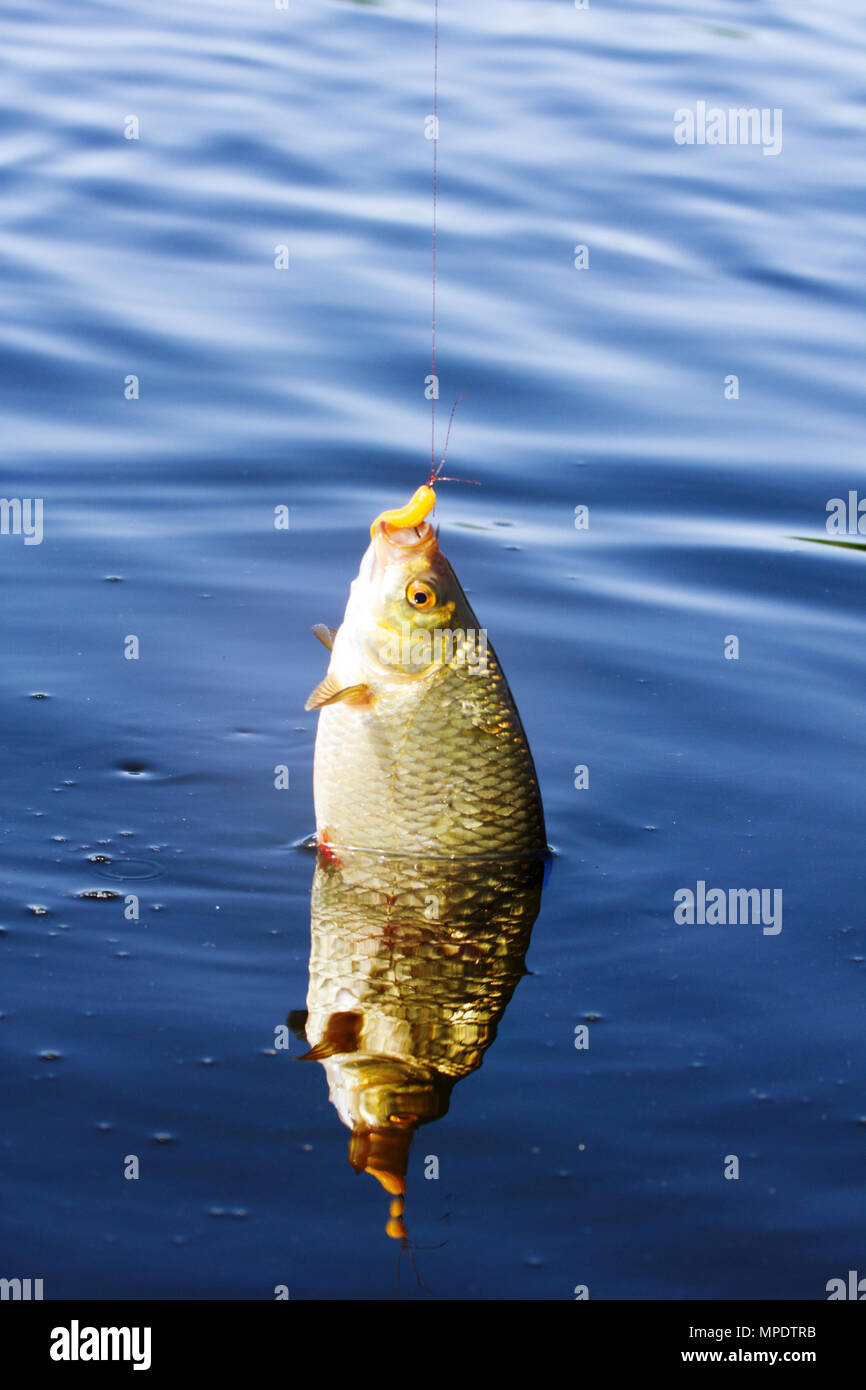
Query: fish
{"type": "Point", "coordinates": [413, 962]}
{"type": "Point", "coordinates": [420, 749]}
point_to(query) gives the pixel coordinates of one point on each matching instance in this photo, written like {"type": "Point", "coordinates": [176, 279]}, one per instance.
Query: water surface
{"type": "Point", "coordinates": [303, 388]}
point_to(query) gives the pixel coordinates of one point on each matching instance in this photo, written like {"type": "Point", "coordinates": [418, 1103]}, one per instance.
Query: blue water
{"type": "Point", "coordinates": [304, 388]}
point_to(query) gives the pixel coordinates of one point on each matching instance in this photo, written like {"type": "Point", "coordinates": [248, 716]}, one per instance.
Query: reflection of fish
{"type": "Point", "coordinates": [420, 748]}
{"type": "Point", "coordinates": [412, 964]}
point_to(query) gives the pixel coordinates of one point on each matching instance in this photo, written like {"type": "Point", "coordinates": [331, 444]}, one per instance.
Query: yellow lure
{"type": "Point", "coordinates": [422, 502]}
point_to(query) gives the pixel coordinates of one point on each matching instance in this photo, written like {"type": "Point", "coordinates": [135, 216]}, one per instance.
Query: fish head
{"type": "Point", "coordinates": [405, 592]}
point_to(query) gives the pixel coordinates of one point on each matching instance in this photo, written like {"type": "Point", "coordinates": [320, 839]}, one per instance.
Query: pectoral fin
{"type": "Point", "coordinates": [325, 634]}
{"type": "Point", "coordinates": [329, 692]}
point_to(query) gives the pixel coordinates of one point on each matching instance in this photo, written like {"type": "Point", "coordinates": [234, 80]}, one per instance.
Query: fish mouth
{"type": "Point", "coordinates": [396, 544]}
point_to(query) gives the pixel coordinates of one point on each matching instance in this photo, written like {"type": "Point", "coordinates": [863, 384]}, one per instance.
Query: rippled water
{"type": "Point", "coordinates": [602, 388]}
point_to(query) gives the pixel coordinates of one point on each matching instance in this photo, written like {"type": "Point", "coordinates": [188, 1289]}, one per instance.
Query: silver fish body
{"type": "Point", "coordinates": [420, 748]}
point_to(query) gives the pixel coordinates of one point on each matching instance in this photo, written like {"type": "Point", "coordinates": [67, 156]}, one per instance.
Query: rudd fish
{"type": "Point", "coordinates": [420, 748]}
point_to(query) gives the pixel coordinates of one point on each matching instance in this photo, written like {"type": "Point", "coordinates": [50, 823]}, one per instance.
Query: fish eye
{"type": "Point", "coordinates": [420, 595]}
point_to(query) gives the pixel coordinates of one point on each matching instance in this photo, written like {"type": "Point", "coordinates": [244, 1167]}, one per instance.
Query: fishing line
{"type": "Point", "coordinates": [434, 384]}
{"type": "Point", "coordinates": [436, 470]}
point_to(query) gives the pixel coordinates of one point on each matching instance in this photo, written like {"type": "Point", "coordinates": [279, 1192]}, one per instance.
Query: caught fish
{"type": "Point", "coordinates": [412, 964]}
{"type": "Point", "coordinates": [420, 748]}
